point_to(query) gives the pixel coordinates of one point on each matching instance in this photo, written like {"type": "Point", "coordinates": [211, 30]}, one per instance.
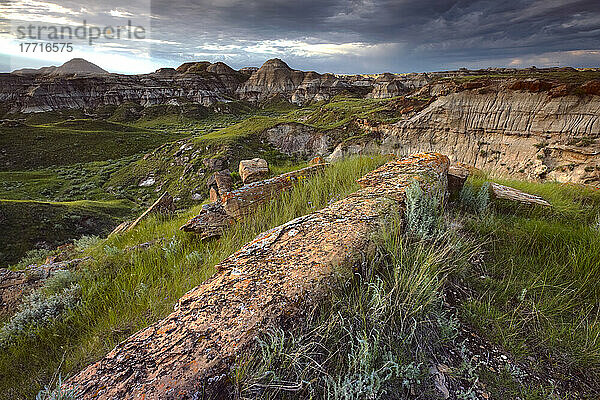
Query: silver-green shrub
{"type": "Point", "coordinates": [38, 311]}
{"type": "Point", "coordinates": [423, 217]}
{"type": "Point", "coordinates": [59, 281]}
{"type": "Point", "coordinates": [59, 393]}
{"type": "Point", "coordinates": [85, 242]}
{"type": "Point", "coordinates": [476, 202]}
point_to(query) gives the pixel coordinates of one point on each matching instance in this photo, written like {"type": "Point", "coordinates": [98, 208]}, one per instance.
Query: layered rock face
{"type": "Point", "coordinates": [35, 93]}
{"type": "Point", "coordinates": [275, 278]}
{"type": "Point", "coordinates": [531, 134]}
{"type": "Point", "coordinates": [299, 140]}
{"type": "Point", "coordinates": [509, 131]}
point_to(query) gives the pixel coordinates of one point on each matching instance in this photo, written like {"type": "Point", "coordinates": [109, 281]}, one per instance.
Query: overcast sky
{"type": "Point", "coordinates": [327, 36]}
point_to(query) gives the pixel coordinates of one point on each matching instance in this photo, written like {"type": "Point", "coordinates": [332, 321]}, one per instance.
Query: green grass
{"type": "Point", "coordinates": [28, 224]}
{"type": "Point", "coordinates": [40, 146]}
{"type": "Point", "coordinates": [340, 112]}
{"type": "Point", "coordinates": [123, 291]}
{"type": "Point", "coordinates": [72, 182]}
{"type": "Point", "coordinates": [537, 294]}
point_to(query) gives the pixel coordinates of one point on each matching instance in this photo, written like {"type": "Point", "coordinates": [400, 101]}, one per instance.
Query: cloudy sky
{"type": "Point", "coordinates": [361, 36]}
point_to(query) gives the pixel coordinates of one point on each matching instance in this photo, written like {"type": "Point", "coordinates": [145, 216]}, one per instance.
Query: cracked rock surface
{"type": "Point", "coordinates": [272, 279]}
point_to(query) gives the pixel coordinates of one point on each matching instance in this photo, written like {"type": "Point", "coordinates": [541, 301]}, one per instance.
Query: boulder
{"type": "Point", "coordinates": [218, 184]}
{"type": "Point", "coordinates": [253, 170]}
{"type": "Point", "coordinates": [241, 202]}
{"type": "Point", "coordinates": [271, 282]}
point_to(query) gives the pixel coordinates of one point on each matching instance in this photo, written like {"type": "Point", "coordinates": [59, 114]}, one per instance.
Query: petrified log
{"type": "Point", "coordinates": [507, 193]}
{"type": "Point", "coordinates": [212, 221]}
{"type": "Point", "coordinates": [244, 200]}
{"type": "Point", "coordinates": [216, 217]}
{"type": "Point", "coordinates": [253, 170]}
{"type": "Point", "coordinates": [219, 183]}
{"type": "Point", "coordinates": [279, 275]}
{"type": "Point", "coordinates": [122, 227]}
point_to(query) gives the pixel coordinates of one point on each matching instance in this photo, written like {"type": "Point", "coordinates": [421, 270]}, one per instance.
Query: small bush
{"type": "Point", "coordinates": [476, 202]}
{"type": "Point", "coordinates": [59, 281]}
{"type": "Point", "coordinates": [34, 256]}
{"type": "Point", "coordinates": [422, 212]}
{"type": "Point", "coordinates": [38, 311]}
{"type": "Point", "coordinates": [58, 393]}
{"type": "Point", "coordinates": [85, 242]}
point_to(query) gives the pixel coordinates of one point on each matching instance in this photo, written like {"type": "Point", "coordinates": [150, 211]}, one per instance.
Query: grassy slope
{"type": "Point", "coordinates": [27, 224]}
{"type": "Point", "coordinates": [65, 156]}
{"type": "Point", "coordinates": [124, 291]}
{"type": "Point", "coordinates": [70, 142]}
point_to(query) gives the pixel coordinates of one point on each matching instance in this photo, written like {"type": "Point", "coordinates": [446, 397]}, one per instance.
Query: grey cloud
{"type": "Point", "coordinates": [398, 35]}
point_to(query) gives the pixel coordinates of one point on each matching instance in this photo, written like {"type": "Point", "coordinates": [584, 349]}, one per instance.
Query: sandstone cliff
{"type": "Point", "coordinates": [512, 132]}
{"type": "Point", "coordinates": [517, 128]}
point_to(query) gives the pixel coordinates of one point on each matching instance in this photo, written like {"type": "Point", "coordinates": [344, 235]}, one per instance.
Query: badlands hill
{"type": "Point", "coordinates": [75, 66]}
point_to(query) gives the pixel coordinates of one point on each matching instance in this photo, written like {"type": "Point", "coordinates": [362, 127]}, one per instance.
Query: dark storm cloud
{"type": "Point", "coordinates": [369, 35]}
{"type": "Point", "coordinates": [427, 34]}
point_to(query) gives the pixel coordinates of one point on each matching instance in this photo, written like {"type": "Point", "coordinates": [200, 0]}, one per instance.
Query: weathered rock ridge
{"type": "Point", "coordinates": [509, 129]}
{"type": "Point", "coordinates": [82, 85]}
{"type": "Point", "coordinates": [274, 278]}
{"type": "Point", "coordinates": [512, 132]}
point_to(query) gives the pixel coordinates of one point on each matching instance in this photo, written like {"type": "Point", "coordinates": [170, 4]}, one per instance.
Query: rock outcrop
{"type": "Point", "coordinates": [296, 139]}
{"type": "Point", "coordinates": [253, 170]}
{"type": "Point", "coordinates": [523, 133]}
{"type": "Point", "coordinates": [217, 216]}
{"type": "Point", "coordinates": [273, 279]}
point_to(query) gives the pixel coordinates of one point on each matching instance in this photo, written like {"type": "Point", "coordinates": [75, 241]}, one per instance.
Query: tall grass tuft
{"type": "Point", "coordinates": [373, 339]}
